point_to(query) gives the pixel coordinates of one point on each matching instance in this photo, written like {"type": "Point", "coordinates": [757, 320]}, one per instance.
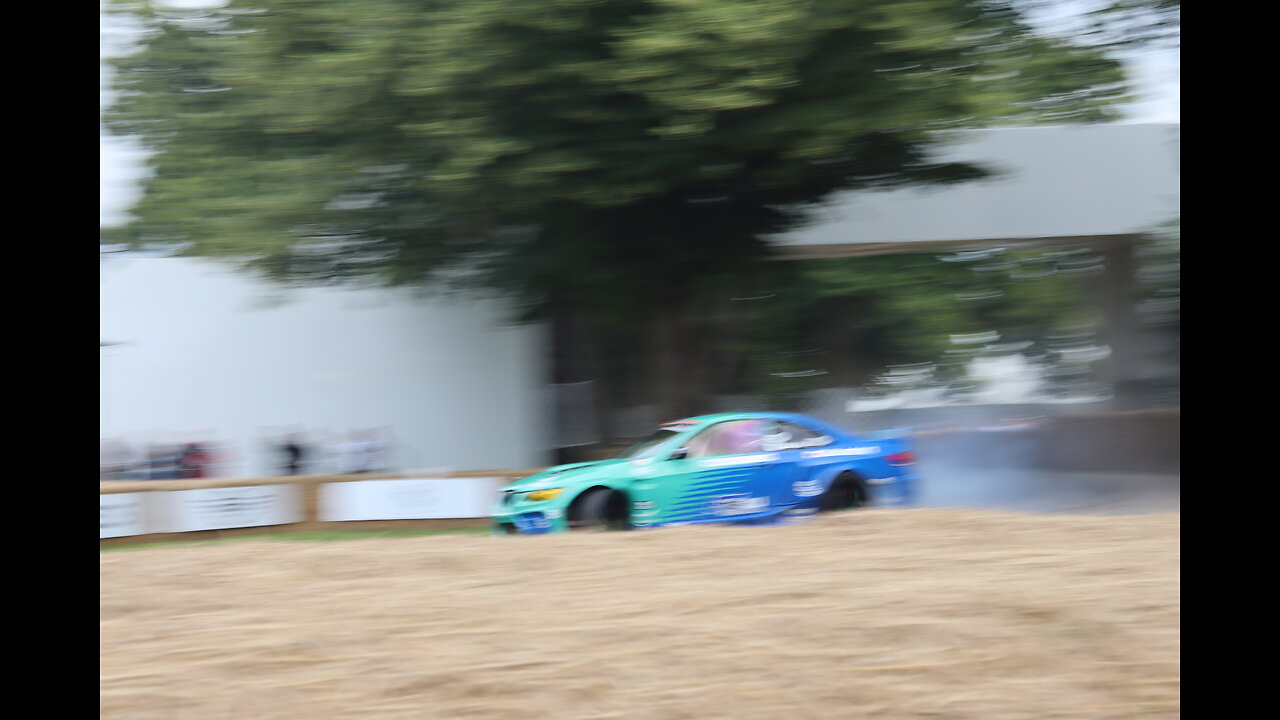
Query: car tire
{"type": "Point", "coordinates": [599, 509]}
{"type": "Point", "coordinates": [845, 493]}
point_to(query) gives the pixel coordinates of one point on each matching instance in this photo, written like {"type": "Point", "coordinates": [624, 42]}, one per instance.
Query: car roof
{"type": "Point", "coordinates": [765, 415]}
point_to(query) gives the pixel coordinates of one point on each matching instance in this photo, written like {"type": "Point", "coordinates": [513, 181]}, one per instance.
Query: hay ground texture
{"type": "Point", "coordinates": [881, 613]}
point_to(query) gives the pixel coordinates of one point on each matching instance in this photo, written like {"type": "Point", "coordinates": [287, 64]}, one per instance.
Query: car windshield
{"type": "Point", "coordinates": [648, 446]}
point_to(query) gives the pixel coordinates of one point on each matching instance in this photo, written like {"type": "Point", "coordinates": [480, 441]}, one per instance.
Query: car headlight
{"type": "Point", "coordinates": [547, 494]}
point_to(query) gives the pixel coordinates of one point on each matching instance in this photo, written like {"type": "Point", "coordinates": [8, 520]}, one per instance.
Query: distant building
{"type": "Point", "coordinates": [1051, 184]}
{"type": "Point", "coordinates": [1097, 187]}
{"type": "Point", "coordinates": [208, 354]}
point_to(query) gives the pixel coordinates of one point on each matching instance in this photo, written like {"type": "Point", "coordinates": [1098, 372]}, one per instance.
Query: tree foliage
{"type": "Point", "coordinates": [1119, 24]}
{"type": "Point", "coordinates": [400, 137]}
{"type": "Point", "coordinates": [847, 322]}
{"type": "Point", "coordinates": [614, 158]}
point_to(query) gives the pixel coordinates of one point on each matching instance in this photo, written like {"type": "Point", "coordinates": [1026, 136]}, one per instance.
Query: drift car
{"type": "Point", "coordinates": [740, 468]}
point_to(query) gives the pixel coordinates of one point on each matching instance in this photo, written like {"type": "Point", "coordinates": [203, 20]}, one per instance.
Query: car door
{"type": "Point", "coordinates": [720, 473]}
{"type": "Point", "coordinates": [799, 483]}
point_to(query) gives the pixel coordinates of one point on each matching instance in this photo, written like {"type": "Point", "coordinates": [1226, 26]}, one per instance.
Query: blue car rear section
{"type": "Point", "coordinates": [891, 476]}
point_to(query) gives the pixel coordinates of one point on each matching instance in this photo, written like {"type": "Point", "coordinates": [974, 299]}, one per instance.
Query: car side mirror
{"type": "Point", "coordinates": [679, 454]}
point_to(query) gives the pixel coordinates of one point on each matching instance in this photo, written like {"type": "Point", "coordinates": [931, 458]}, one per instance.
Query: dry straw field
{"type": "Point", "coordinates": [919, 613]}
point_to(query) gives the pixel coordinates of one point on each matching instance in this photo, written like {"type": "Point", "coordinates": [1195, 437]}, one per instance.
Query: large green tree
{"type": "Point", "coordinates": [615, 162]}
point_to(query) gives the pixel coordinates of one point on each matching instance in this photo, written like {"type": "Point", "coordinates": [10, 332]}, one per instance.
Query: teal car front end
{"type": "Point", "coordinates": [738, 468]}
{"type": "Point", "coordinates": [544, 502]}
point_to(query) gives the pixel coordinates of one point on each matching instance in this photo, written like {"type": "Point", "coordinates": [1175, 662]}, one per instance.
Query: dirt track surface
{"type": "Point", "coordinates": [922, 613]}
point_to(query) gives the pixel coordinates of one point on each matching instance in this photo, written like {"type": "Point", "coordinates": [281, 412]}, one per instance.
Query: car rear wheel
{"type": "Point", "coordinates": [845, 493]}
{"type": "Point", "coordinates": [599, 509]}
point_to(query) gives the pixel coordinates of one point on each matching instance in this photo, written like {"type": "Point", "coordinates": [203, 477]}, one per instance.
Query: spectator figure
{"type": "Point", "coordinates": [333, 450]}
{"type": "Point", "coordinates": [163, 462]}
{"type": "Point", "coordinates": [116, 459]}
{"type": "Point", "coordinates": [377, 448]}
{"type": "Point", "coordinates": [295, 452]}
{"type": "Point", "coordinates": [194, 461]}
{"type": "Point", "coordinates": [151, 462]}
{"type": "Point", "coordinates": [363, 452]}
{"type": "Point", "coordinates": [349, 455]}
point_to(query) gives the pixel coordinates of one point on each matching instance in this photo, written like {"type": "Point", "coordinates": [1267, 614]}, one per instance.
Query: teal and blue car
{"type": "Point", "coordinates": [735, 468]}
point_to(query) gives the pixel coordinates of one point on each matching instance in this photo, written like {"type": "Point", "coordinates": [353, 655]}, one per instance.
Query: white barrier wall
{"type": "Point", "coordinates": [186, 506]}
{"type": "Point", "coordinates": [409, 499]}
{"type": "Point", "coordinates": [122, 515]}
{"type": "Point", "coordinates": [233, 507]}
{"type": "Point", "coordinates": [208, 353]}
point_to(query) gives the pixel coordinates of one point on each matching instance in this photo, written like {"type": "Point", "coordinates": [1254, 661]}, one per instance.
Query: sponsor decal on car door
{"type": "Point", "coordinates": [723, 477]}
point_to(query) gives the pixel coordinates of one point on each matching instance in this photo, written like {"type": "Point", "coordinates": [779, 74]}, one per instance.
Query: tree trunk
{"type": "Point", "coordinates": [1121, 331]}
{"type": "Point", "coordinates": [670, 357]}
{"type": "Point", "coordinates": [576, 360]}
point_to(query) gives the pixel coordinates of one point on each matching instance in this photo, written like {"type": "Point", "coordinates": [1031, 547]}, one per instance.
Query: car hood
{"type": "Point", "coordinates": [558, 475]}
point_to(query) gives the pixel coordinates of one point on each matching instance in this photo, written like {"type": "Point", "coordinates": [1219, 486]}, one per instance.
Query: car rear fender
{"type": "Point", "coordinates": [826, 476]}
{"type": "Point", "coordinates": [892, 473]}
{"type": "Point", "coordinates": [891, 441]}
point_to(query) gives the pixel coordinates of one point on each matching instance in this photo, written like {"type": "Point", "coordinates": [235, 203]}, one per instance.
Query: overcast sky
{"type": "Point", "coordinates": [1155, 76]}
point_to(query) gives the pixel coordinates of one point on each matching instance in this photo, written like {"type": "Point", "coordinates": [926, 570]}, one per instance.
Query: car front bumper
{"type": "Point", "coordinates": [528, 521]}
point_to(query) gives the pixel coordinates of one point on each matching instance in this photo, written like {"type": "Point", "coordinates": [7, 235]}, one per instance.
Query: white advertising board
{"type": "Point", "coordinates": [409, 499]}
{"type": "Point", "coordinates": [234, 507]}
{"type": "Point", "coordinates": [121, 515]}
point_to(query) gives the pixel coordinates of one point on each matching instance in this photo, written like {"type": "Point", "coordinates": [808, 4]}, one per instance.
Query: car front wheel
{"type": "Point", "coordinates": [599, 509]}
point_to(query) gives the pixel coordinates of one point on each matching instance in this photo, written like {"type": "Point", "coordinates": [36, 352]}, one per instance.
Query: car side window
{"type": "Point", "coordinates": [790, 436]}
{"type": "Point", "coordinates": [729, 438]}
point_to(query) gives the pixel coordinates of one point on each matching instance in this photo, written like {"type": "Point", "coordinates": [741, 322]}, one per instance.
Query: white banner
{"type": "Point", "coordinates": [234, 507]}
{"type": "Point", "coordinates": [121, 514]}
{"type": "Point", "coordinates": [411, 499]}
